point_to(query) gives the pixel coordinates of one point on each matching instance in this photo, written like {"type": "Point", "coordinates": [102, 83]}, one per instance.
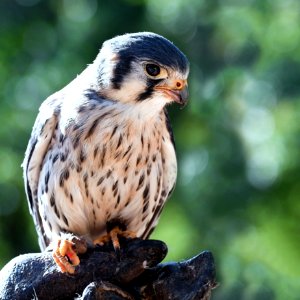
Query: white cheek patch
{"type": "Point", "coordinates": [131, 88]}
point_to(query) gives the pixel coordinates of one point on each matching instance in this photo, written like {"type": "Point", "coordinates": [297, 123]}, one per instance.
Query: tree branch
{"type": "Point", "coordinates": [134, 273]}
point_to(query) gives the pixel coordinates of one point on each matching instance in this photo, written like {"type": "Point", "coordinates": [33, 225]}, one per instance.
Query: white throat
{"type": "Point", "coordinates": [145, 110]}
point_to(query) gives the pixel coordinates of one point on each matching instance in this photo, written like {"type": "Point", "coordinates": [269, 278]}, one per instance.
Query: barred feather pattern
{"type": "Point", "coordinates": [91, 161]}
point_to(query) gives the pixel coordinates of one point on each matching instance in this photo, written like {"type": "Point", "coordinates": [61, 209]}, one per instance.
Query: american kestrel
{"type": "Point", "coordinates": [101, 160]}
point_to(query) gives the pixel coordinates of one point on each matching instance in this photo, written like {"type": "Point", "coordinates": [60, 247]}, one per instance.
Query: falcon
{"type": "Point", "coordinates": [101, 162]}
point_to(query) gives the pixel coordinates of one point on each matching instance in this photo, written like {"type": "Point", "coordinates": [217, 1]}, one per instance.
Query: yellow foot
{"type": "Point", "coordinates": [113, 236]}
{"type": "Point", "coordinates": [65, 253]}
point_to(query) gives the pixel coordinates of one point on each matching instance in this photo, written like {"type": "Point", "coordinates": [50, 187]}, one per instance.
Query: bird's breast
{"type": "Point", "coordinates": [126, 174]}
{"type": "Point", "coordinates": [114, 171]}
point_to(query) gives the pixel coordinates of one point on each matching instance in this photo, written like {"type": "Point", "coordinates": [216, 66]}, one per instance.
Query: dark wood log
{"type": "Point", "coordinates": [133, 273]}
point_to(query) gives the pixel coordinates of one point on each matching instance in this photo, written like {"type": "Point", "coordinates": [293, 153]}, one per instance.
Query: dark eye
{"type": "Point", "coordinates": [152, 69]}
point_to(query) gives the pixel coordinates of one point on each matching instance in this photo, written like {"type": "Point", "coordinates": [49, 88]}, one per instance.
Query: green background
{"type": "Point", "coordinates": [238, 139]}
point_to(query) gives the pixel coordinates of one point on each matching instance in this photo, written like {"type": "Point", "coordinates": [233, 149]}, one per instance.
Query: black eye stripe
{"type": "Point", "coordinates": [153, 69]}
{"type": "Point", "coordinates": [151, 83]}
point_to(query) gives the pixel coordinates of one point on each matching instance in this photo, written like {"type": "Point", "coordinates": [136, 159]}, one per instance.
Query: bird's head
{"type": "Point", "coordinates": [142, 67]}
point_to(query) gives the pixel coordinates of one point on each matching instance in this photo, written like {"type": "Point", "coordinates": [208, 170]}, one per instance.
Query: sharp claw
{"type": "Point", "coordinates": [73, 257]}
{"type": "Point", "coordinates": [63, 263]}
{"type": "Point", "coordinates": [65, 256]}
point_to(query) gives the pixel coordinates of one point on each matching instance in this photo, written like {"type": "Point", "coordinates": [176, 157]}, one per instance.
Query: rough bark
{"type": "Point", "coordinates": [133, 273]}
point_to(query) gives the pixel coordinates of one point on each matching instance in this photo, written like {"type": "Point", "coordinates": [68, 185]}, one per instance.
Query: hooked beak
{"type": "Point", "coordinates": [176, 90]}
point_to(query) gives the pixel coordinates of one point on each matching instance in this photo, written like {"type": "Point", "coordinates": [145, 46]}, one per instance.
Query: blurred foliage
{"type": "Point", "coordinates": [238, 140]}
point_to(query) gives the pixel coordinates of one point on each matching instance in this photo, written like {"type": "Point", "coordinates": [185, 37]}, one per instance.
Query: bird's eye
{"type": "Point", "coordinates": [152, 70]}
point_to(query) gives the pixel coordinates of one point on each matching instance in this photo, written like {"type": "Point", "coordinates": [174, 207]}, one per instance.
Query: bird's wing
{"type": "Point", "coordinates": [37, 148]}
{"type": "Point", "coordinates": [169, 175]}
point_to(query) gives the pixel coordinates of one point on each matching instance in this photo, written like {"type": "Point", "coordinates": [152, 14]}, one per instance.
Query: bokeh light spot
{"type": "Point", "coordinates": [80, 10]}
{"type": "Point", "coordinates": [192, 165]}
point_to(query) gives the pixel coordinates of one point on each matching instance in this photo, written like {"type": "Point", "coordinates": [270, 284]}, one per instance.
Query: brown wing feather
{"type": "Point", "coordinates": [37, 148]}
{"type": "Point", "coordinates": [167, 188]}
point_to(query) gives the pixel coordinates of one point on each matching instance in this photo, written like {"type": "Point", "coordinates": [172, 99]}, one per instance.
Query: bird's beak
{"type": "Point", "coordinates": [177, 90]}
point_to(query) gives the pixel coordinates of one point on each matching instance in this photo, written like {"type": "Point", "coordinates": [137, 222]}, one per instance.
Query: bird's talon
{"type": "Point", "coordinates": [65, 256]}
{"type": "Point", "coordinates": [113, 236]}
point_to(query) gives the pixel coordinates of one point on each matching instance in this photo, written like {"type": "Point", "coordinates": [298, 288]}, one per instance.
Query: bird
{"type": "Point", "coordinates": [101, 159]}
